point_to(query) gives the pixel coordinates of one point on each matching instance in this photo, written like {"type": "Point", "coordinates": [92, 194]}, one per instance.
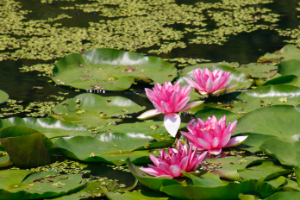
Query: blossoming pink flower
{"type": "Point", "coordinates": [169, 99]}
{"type": "Point", "coordinates": [169, 165]}
{"type": "Point", "coordinates": [207, 82]}
{"type": "Point", "coordinates": [212, 135]}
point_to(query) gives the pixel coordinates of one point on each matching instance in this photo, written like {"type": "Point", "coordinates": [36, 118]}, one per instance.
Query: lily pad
{"type": "Point", "coordinates": [281, 121]}
{"type": "Point", "coordinates": [110, 69]}
{"type": "Point", "coordinates": [49, 127]}
{"type": "Point", "coordinates": [284, 195]}
{"type": "Point", "coordinates": [15, 185]}
{"type": "Point", "coordinates": [258, 70]}
{"type": "Point", "coordinates": [237, 78]}
{"type": "Point", "coordinates": [218, 112]}
{"type": "Point", "coordinates": [144, 195]}
{"type": "Point", "coordinates": [27, 151]}
{"type": "Point", "coordinates": [111, 147]}
{"type": "Point", "coordinates": [254, 141]}
{"type": "Point", "coordinates": [290, 67]}
{"type": "Point", "coordinates": [154, 129]}
{"type": "Point", "coordinates": [284, 80]}
{"type": "Point", "coordinates": [3, 96]}
{"type": "Point", "coordinates": [265, 96]}
{"type": "Point", "coordinates": [266, 171]}
{"type": "Point", "coordinates": [262, 188]}
{"type": "Point", "coordinates": [285, 151]}
{"type": "Point", "coordinates": [94, 110]}
{"type": "Point", "coordinates": [288, 52]}
{"type": "Point", "coordinates": [228, 167]}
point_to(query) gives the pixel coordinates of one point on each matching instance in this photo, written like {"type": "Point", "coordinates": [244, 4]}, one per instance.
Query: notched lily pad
{"type": "Point", "coordinates": [110, 69]}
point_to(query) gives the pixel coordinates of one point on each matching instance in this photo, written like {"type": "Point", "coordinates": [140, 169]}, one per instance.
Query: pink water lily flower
{"type": "Point", "coordinates": [207, 82]}
{"type": "Point", "coordinates": [212, 135]}
{"type": "Point", "coordinates": [169, 165]}
{"type": "Point", "coordinates": [169, 99]}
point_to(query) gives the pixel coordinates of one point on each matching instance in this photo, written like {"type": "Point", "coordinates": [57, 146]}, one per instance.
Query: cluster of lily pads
{"type": "Point", "coordinates": [260, 104]}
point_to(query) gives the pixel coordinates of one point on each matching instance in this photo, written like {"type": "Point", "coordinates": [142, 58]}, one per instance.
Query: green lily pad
{"type": "Point", "coordinates": [210, 111]}
{"type": "Point", "coordinates": [266, 171]}
{"type": "Point", "coordinates": [285, 151]}
{"type": "Point", "coordinates": [264, 96]}
{"type": "Point", "coordinates": [280, 120]}
{"type": "Point", "coordinates": [254, 141]}
{"type": "Point", "coordinates": [94, 110]}
{"type": "Point", "coordinates": [290, 67]}
{"type": "Point", "coordinates": [110, 69]}
{"type": "Point", "coordinates": [154, 129]}
{"type": "Point", "coordinates": [237, 78]}
{"type": "Point", "coordinates": [144, 195]}
{"type": "Point", "coordinates": [288, 52]}
{"type": "Point", "coordinates": [27, 151]}
{"type": "Point", "coordinates": [284, 80]}
{"type": "Point", "coordinates": [15, 131]}
{"type": "Point", "coordinates": [108, 147]}
{"type": "Point", "coordinates": [284, 195]}
{"type": "Point", "coordinates": [228, 167]}
{"type": "Point", "coordinates": [262, 188]}
{"type": "Point", "coordinates": [258, 70]}
{"type": "Point", "coordinates": [49, 127]}
{"type": "Point", "coordinates": [14, 185]}
{"type": "Point", "coordinates": [3, 96]}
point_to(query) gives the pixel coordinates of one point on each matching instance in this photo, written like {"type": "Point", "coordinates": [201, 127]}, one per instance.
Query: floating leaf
{"type": "Point", "coordinates": [288, 52]}
{"type": "Point", "coordinates": [110, 69]}
{"type": "Point", "coordinates": [49, 127]}
{"type": "Point", "coordinates": [98, 109]}
{"type": "Point", "coordinates": [14, 185]}
{"type": "Point", "coordinates": [258, 70]}
{"type": "Point", "coordinates": [281, 121]}
{"type": "Point", "coordinates": [111, 147]}
{"type": "Point", "coordinates": [284, 80]}
{"type": "Point", "coordinates": [3, 96]}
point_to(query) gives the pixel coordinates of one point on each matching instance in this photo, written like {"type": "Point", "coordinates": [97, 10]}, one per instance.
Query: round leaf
{"type": "Point", "coordinates": [49, 127]}
{"type": "Point", "coordinates": [110, 69]}
{"type": "Point", "coordinates": [3, 96]}
{"type": "Point", "coordinates": [94, 110]}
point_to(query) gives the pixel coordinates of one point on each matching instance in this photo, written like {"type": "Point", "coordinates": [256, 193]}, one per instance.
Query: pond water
{"type": "Point", "coordinates": [264, 33]}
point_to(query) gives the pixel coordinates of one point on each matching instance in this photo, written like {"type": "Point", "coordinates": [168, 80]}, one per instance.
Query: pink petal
{"type": "Point", "coordinates": [172, 123]}
{"type": "Point", "coordinates": [150, 171]}
{"type": "Point", "coordinates": [204, 144]}
{"type": "Point", "coordinates": [175, 170]}
{"type": "Point", "coordinates": [191, 105]}
{"type": "Point", "coordinates": [236, 141]}
{"type": "Point", "coordinates": [184, 163]}
{"type": "Point", "coordinates": [215, 142]}
{"type": "Point", "coordinates": [149, 113]}
{"type": "Point", "coordinates": [215, 151]}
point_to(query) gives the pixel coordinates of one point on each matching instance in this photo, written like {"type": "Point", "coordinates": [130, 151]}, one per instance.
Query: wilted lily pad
{"type": "Point", "coordinates": [110, 69]}
{"type": "Point", "coordinates": [14, 185]}
{"type": "Point", "coordinates": [49, 127]}
{"type": "Point", "coordinates": [108, 147]}
{"type": "Point", "coordinates": [94, 110]}
{"type": "Point", "coordinates": [26, 147]}
{"type": "Point", "coordinates": [3, 96]}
